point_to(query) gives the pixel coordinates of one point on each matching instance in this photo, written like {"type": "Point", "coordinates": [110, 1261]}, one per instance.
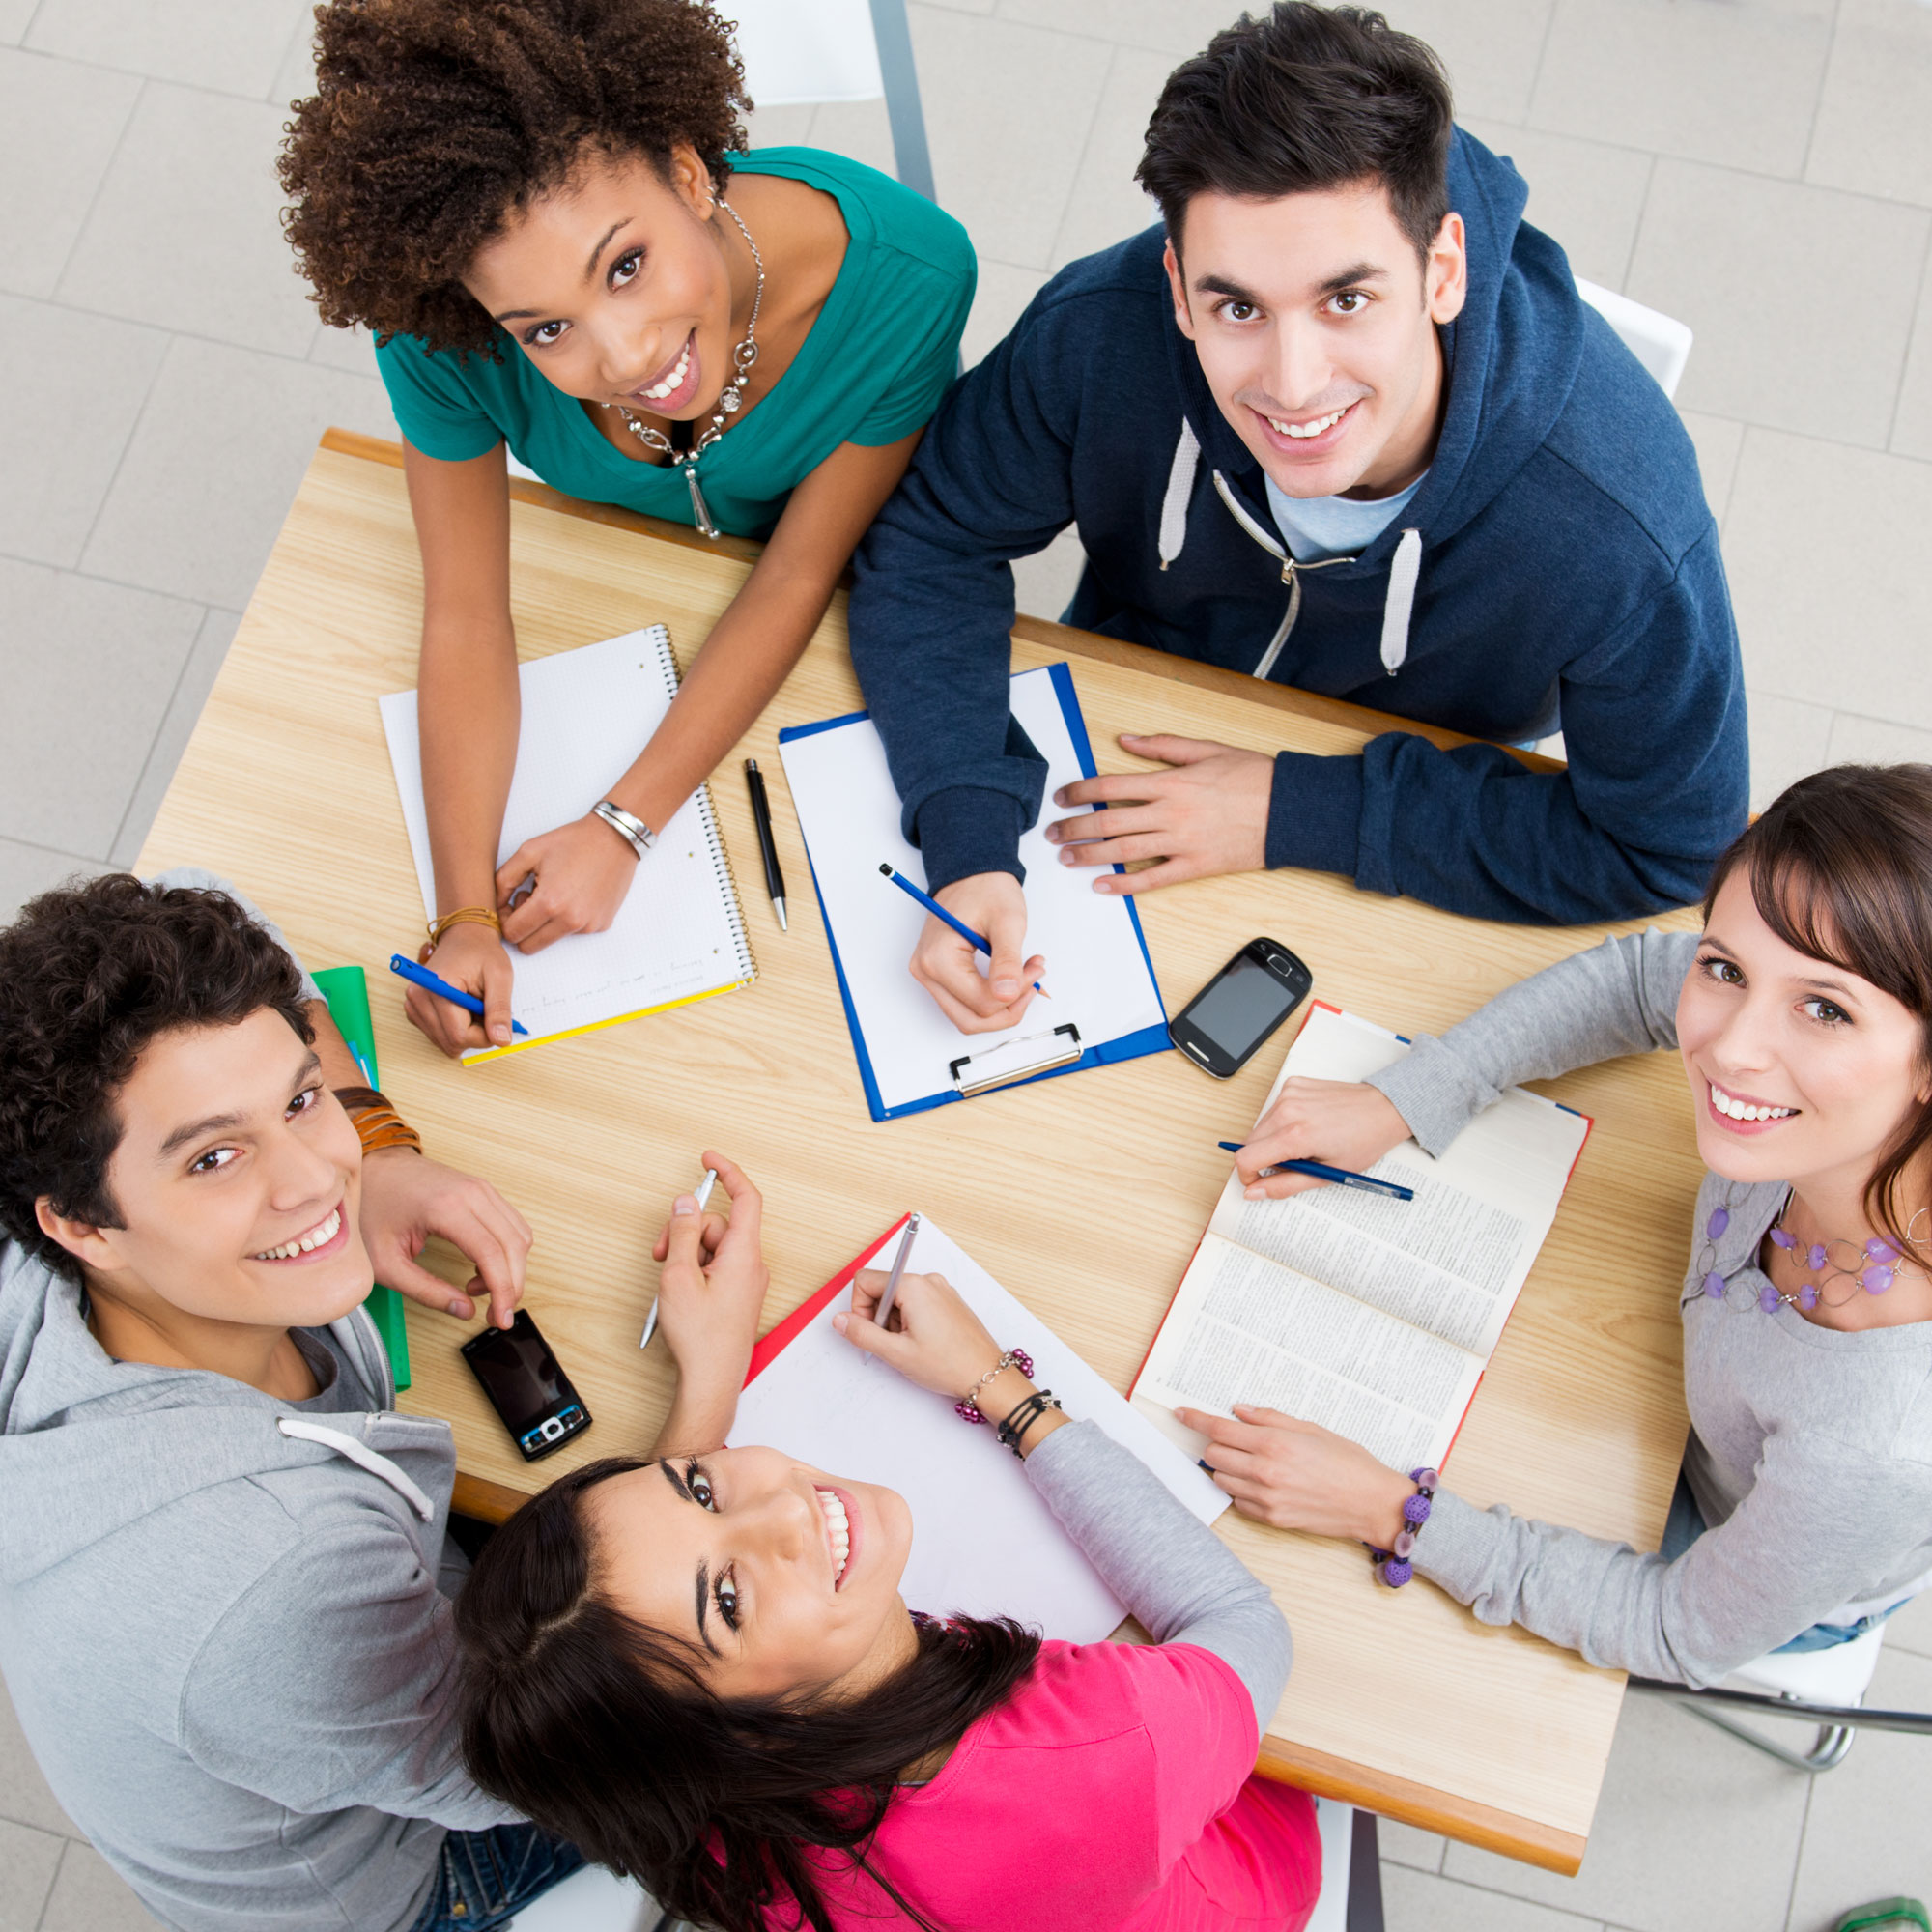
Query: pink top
{"type": "Point", "coordinates": [1112, 1793]}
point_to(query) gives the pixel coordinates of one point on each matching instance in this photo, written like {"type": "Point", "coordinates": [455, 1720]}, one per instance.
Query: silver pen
{"type": "Point", "coordinates": [703, 1192]}
{"type": "Point", "coordinates": [898, 1269]}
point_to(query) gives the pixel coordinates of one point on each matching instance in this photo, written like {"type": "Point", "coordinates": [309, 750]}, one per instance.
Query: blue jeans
{"type": "Point", "coordinates": [1685, 1524]}
{"type": "Point", "coordinates": [485, 1876]}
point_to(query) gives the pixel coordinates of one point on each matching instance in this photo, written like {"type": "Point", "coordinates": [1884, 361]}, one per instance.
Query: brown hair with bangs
{"type": "Point", "coordinates": [1840, 868]}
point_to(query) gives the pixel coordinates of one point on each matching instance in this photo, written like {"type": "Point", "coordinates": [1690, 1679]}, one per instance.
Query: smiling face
{"type": "Point", "coordinates": [1800, 1070]}
{"type": "Point", "coordinates": [786, 1578]}
{"type": "Point", "coordinates": [1314, 321]}
{"type": "Point", "coordinates": [617, 286]}
{"type": "Point", "coordinates": [237, 1179]}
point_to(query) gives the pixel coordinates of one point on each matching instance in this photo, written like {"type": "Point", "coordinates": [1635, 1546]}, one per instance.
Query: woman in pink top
{"type": "Point", "coordinates": [701, 1671]}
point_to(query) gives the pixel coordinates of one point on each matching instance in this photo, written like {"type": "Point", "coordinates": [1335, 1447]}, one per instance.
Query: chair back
{"type": "Point", "coordinates": [798, 52]}
{"type": "Point", "coordinates": [1660, 342]}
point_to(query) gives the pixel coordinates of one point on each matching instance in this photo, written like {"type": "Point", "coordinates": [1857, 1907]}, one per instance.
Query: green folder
{"type": "Point", "coordinates": [347, 992]}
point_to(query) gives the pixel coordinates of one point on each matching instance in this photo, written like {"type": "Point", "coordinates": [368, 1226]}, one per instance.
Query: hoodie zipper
{"type": "Point", "coordinates": [1291, 574]}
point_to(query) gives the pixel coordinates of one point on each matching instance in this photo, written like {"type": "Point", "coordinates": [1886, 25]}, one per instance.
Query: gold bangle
{"type": "Point", "coordinates": [464, 916]}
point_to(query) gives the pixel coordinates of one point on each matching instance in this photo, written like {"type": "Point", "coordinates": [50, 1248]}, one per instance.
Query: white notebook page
{"type": "Point", "coordinates": [984, 1543]}
{"type": "Point", "coordinates": [587, 714]}
{"type": "Point", "coordinates": [1095, 970]}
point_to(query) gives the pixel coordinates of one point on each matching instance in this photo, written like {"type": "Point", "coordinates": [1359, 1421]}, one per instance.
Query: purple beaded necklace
{"type": "Point", "coordinates": [1872, 1265]}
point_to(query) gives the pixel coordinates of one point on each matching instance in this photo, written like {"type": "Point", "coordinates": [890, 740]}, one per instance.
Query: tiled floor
{"type": "Point", "coordinates": [1762, 168]}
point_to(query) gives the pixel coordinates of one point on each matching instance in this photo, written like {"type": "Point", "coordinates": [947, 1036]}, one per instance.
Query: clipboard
{"type": "Point", "coordinates": [1040, 1048]}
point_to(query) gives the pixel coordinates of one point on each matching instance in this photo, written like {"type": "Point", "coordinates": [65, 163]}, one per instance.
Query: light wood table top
{"type": "Point", "coordinates": [1085, 1196]}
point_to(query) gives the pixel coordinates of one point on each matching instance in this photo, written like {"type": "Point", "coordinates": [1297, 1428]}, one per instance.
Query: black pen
{"type": "Point", "coordinates": [761, 816]}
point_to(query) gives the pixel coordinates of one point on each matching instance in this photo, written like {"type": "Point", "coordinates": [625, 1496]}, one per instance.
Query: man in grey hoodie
{"type": "Point", "coordinates": [220, 1615]}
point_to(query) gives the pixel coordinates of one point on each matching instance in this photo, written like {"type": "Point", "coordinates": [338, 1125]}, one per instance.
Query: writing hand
{"type": "Point", "coordinates": [947, 967]}
{"type": "Point", "coordinates": [469, 957]}
{"type": "Point", "coordinates": [584, 871]}
{"type": "Point", "coordinates": [1208, 814]}
{"type": "Point", "coordinates": [931, 1337]}
{"type": "Point", "coordinates": [1342, 1122]}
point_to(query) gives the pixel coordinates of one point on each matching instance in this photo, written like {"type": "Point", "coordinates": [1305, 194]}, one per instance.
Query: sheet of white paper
{"type": "Point", "coordinates": [1095, 970]}
{"type": "Point", "coordinates": [585, 715]}
{"type": "Point", "coordinates": [984, 1543]}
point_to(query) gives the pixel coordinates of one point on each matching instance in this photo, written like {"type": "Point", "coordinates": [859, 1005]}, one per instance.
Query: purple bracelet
{"type": "Point", "coordinates": [1392, 1566]}
{"type": "Point", "coordinates": [966, 1408]}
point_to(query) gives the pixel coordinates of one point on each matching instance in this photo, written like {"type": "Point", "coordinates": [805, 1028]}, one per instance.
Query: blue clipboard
{"type": "Point", "coordinates": [1129, 1046]}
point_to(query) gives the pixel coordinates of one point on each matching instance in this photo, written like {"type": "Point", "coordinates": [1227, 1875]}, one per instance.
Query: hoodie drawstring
{"type": "Point", "coordinates": [1404, 566]}
{"type": "Point", "coordinates": [361, 1455]}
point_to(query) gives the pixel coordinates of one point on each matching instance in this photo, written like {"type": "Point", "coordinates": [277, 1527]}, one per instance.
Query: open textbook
{"type": "Point", "coordinates": [679, 935]}
{"type": "Point", "coordinates": [1371, 1316]}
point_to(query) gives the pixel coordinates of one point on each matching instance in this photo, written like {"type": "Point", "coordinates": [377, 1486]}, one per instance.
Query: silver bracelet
{"type": "Point", "coordinates": [628, 827]}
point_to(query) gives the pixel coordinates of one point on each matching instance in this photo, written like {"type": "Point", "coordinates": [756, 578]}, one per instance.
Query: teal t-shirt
{"type": "Point", "coordinates": [871, 370]}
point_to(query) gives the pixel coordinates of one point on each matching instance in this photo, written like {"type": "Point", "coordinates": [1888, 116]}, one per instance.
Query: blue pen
{"type": "Point", "coordinates": [938, 911]}
{"type": "Point", "coordinates": [421, 975]}
{"type": "Point", "coordinates": [1342, 1177]}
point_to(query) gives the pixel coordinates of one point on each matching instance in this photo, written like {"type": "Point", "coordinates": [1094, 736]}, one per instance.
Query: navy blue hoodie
{"type": "Point", "coordinates": [1562, 561]}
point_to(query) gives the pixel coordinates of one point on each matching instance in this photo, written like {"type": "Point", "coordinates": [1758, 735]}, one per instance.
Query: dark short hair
{"type": "Point", "coordinates": [603, 1731]}
{"type": "Point", "coordinates": [91, 975]}
{"type": "Point", "coordinates": [434, 121]}
{"type": "Point", "coordinates": [1840, 868]}
{"type": "Point", "coordinates": [1301, 100]}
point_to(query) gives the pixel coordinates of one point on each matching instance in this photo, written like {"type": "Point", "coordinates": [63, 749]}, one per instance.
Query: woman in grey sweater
{"type": "Point", "coordinates": [1802, 1013]}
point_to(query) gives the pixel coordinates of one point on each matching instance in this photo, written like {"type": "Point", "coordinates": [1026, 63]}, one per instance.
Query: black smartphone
{"type": "Point", "coordinates": [526, 1388]}
{"type": "Point", "coordinates": [1223, 1026]}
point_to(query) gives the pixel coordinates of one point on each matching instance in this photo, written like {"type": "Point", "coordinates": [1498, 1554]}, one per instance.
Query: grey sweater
{"type": "Point", "coordinates": [1812, 1450]}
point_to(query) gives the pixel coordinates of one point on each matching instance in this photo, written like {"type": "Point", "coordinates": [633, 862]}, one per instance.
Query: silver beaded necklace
{"type": "Point", "coordinates": [729, 401]}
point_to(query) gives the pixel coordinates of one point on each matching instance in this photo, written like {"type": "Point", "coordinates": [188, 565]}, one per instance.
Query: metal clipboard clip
{"type": "Point", "coordinates": [1015, 1059]}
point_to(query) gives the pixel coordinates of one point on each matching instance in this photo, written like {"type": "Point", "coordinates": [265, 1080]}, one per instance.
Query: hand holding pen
{"type": "Point", "coordinates": [1343, 1123]}
{"type": "Point", "coordinates": [711, 1290]}
{"type": "Point", "coordinates": [985, 913]}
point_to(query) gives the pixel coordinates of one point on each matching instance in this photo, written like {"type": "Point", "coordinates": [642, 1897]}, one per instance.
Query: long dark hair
{"type": "Point", "coordinates": [1841, 867]}
{"type": "Point", "coordinates": [603, 1730]}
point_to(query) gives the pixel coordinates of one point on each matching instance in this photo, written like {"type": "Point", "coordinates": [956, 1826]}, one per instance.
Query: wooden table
{"type": "Point", "coordinates": [1399, 1701]}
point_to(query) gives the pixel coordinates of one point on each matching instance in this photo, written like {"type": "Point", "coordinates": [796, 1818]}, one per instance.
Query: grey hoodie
{"type": "Point", "coordinates": [220, 1620]}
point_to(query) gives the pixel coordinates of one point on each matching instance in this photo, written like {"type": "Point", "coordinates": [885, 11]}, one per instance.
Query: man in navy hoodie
{"type": "Point", "coordinates": [1341, 422]}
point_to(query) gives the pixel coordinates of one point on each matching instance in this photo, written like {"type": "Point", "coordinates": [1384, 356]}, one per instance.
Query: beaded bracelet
{"type": "Point", "coordinates": [966, 1408]}
{"type": "Point", "coordinates": [1012, 1431]}
{"type": "Point", "coordinates": [1392, 1566]}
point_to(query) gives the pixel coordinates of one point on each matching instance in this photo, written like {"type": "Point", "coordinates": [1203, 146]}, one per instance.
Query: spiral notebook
{"type": "Point", "coordinates": [680, 935]}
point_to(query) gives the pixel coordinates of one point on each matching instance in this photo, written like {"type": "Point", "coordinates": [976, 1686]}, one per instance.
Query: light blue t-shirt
{"type": "Point", "coordinates": [1316, 528]}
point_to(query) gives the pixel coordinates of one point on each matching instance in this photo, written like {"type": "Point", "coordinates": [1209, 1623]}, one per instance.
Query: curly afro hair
{"type": "Point", "coordinates": [434, 121]}
{"type": "Point", "coordinates": [89, 976]}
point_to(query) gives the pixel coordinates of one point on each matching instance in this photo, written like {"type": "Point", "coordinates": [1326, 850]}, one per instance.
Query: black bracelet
{"type": "Point", "coordinates": [1012, 1431]}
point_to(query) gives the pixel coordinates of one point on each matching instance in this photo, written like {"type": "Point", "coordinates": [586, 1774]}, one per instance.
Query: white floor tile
{"type": "Point", "coordinates": [191, 692]}
{"type": "Point", "coordinates": [59, 124]}
{"type": "Point", "coordinates": [214, 467]}
{"type": "Point", "coordinates": [28, 1862]}
{"type": "Point", "coordinates": [1874, 126]}
{"type": "Point", "coordinates": [186, 232]}
{"type": "Point", "coordinates": [24, 1796]}
{"type": "Point", "coordinates": [1174, 27]}
{"type": "Point", "coordinates": [89, 378]}
{"type": "Point", "coordinates": [1414, 1901]}
{"type": "Point", "coordinates": [1808, 359]}
{"type": "Point", "coordinates": [231, 45]}
{"type": "Point", "coordinates": [1825, 547]}
{"type": "Point", "coordinates": [24, 871]}
{"type": "Point", "coordinates": [1587, 194]}
{"type": "Point", "coordinates": [1717, 440]}
{"type": "Point", "coordinates": [1405, 1845]}
{"type": "Point", "coordinates": [1732, 81]}
{"type": "Point", "coordinates": [1788, 741]}
{"type": "Point", "coordinates": [1107, 203]}
{"type": "Point", "coordinates": [78, 720]}
{"type": "Point", "coordinates": [863, 130]}
{"type": "Point", "coordinates": [1911, 1628]}
{"type": "Point", "coordinates": [1676, 1793]}
{"type": "Point", "coordinates": [1877, 741]}
{"type": "Point", "coordinates": [1002, 294]}
{"type": "Point", "coordinates": [1912, 424]}
{"type": "Point", "coordinates": [1006, 126]}
{"type": "Point", "coordinates": [1490, 48]}
{"type": "Point", "coordinates": [89, 1897]}
{"type": "Point", "coordinates": [351, 349]}
{"type": "Point", "coordinates": [295, 77]}
{"type": "Point", "coordinates": [1855, 1848]}
{"type": "Point", "coordinates": [781, 126]}
{"type": "Point", "coordinates": [14, 15]}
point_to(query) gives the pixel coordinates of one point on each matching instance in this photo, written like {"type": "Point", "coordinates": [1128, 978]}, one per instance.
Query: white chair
{"type": "Point", "coordinates": [1660, 343]}
{"type": "Point", "coordinates": [1824, 1687]}
{"type": "Point", "coordinates": [593, 1900]}
{"type": "Point", "coordinates": [800, 51]}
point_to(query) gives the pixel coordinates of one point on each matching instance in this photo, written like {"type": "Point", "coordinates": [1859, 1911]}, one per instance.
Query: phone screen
{"type": "Point", "coordinates": [518, 1371]}
{"type": "Point", "coordinates": [1240, 1005]}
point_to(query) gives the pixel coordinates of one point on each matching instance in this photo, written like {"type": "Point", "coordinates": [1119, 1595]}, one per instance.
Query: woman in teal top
{"type": "Point", "coordinates": [528, 205]}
